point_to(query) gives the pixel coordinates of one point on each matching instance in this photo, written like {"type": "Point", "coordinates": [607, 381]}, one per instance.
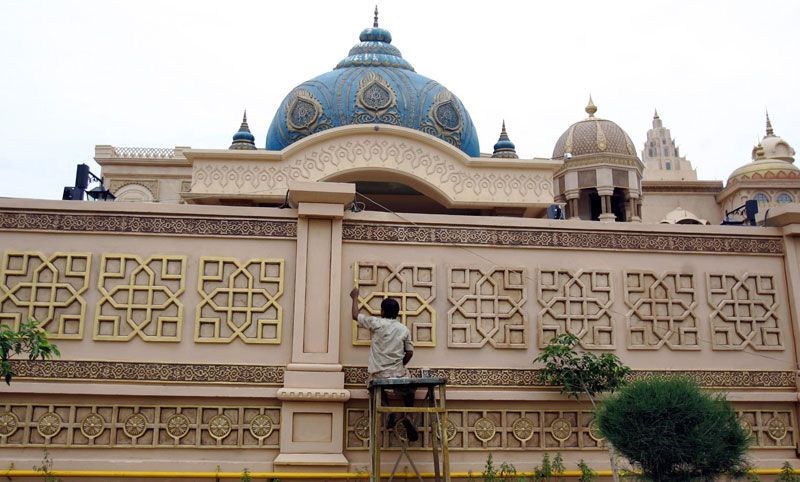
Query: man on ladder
{"type": "Point", "coordinates": [390, 350]}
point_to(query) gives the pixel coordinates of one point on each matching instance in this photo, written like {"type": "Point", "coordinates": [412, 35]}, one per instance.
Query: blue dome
{"type": "Point", "coordinates": [373, 85]}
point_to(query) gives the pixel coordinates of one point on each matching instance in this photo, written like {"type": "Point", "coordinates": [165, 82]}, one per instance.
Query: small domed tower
{"type": "Point", "coordinates": [601, 177]}
{"type": "Point", "coordinates": [504, 148]}
{"type": "Point", "coordinates": [771, 178]}
{"type": "Point", "coordinates": [244, 139]}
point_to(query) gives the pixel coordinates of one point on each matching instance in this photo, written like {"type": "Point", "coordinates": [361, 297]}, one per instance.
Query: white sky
{"type": "Point", "coordinates": [166, 73]}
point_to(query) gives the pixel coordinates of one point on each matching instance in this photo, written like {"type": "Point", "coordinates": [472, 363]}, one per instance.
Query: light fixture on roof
{"type": "Point", "coordinates": [82, 177]}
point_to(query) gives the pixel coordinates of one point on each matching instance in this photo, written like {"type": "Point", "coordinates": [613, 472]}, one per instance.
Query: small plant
{"type": "Point", "coordinates": [489, 472]}
{"type": "Point", "coordinates": [546, 472]}
{"type": "Point", "coordinates": [46, 469]}
{"type": "Point", "coordinates": [558, 467]}
{"type": "Point", "coordinates": [30, 339]}
{"type": "Point", "coordinates": [246, 476]}
{"type": "Point", "coordinates": [587, 474]}
{"type": "Point", "coordinates": [509, 472]}
{"type": "Point", "coordinates": [787, 474]}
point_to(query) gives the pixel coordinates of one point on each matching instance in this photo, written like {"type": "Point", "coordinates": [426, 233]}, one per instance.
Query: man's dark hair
{"type": "Point", "coordinates": [390, 308]}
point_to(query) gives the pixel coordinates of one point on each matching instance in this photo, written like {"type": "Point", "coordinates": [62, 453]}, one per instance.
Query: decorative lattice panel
{"type": "Point", "coordinates": [239, 300]}
{"type": "Point", "coordinates": [147, 426]}
{"type": "Point", "coordinates": [48, 289]}
{"type": "Point", "coordinates": [661, 310]}
{"type": "Point", "coordinates": [770, 428]}
{"type": "Point", "coordinates": [487, 307]}
{"type": "Point", "coordinates": [744, 312]}
{"type": "Point", "coordinates": [414, 288]}
{"type": "Point", "coordinates": [140, 298]}
{"type": "Point", "coordinates": [576, 302]}
{"type": "Point", "coordinates": [469, 429]}
{"type": "Point", "coordinates": [477, 429]}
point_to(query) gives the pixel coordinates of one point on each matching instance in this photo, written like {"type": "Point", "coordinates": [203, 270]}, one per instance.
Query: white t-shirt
{"type": "Point", "coordinates": [388, 345]}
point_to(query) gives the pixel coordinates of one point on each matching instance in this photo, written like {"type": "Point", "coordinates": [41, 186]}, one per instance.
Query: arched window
{"type": "Point", "coordinates": [761, 198]}
{"type": "Point", "coordinates": [784, 198]}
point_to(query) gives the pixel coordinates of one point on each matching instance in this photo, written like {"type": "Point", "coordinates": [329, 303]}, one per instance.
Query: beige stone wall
{"type": "Point", "coordinates": [197, 336]}
{"type": "Point", "coordinates": [657, 205]}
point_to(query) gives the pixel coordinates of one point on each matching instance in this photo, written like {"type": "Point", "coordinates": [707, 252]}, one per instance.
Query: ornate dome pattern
{"type": "Point", "coordinates": [594, 136]}
{"type": "Point", "coordinates": [373, 85]}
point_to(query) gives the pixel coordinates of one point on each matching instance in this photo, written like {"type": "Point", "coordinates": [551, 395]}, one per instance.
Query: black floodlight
{"type": "Point", "coordinates": [82, 177]}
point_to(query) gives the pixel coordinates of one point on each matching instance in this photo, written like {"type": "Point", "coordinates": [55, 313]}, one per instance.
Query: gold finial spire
{"type": "Point", "coordinates": [769, 126]}
{"type": "Point", "coordinates": [591, 108]}
{"type": "Point", "coordinates": [656, 114]}
{"type": "Point", "coordinates": [244, 117]}
{"type": "Point", "coordinates": [375, 23]}
{"type": "Point", "coordinates": [759, 152]}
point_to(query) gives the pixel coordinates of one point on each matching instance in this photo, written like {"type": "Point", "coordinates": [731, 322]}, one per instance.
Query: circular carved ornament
{"type": "Point", "coordinates": [776, 429]}
{"type": "Point", "coordinates": [594, 431]}
{"type": "Point", "coordinates": [92, 425]}
{"type": "Point", "coordinates": [261, 426]}
{"type": "Point", "coordinates": [449, 426]}
{"type": "Point", "coordinates": [49, 424]}
{"type": "Point", "coordinates": [220, 426]}
{"type": "Point", "coordinates": [400, 431]}
{"type": "Point", "coordinates": [9, 423]}
{"type": "Point", "coordinates": [522, 429]}
{"type": "Point", "coordinates": [745, 425]}
{"type": "Point", "coordinates": [484, 429]}
{"type": "Point", "coordinates": [361, 429]}
{"type": "Point", "coordinates": [178, 425]}
{"type": "Point", "coordinates": [135, 425]}
{"type": "Point", "coordinates": [561, 429]}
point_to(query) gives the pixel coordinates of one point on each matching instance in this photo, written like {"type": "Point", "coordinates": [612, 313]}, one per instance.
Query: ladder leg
{"type": "Point", "coordinates": [434, 428]}
{"type": "Point", "coordinates": [443, 424]}
{"type": "Point", "coordinates": [400, 456]}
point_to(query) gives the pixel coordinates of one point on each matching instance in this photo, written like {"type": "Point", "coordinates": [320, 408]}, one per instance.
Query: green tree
{"type": "Point", "coordinates": [580, 372]}
{"type": "Point", "coordinates": [672, 431]}
{"type": "Point", "coordinates": [30, 339]}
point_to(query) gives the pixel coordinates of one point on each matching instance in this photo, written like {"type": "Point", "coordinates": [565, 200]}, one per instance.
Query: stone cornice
{"type": "Point", "coordinates": [139, 224]}
{"type": "Point", "coordinates": [561, 238]}
{"type": "Point", "coordinates": [711, 187]}
{"type": "Point", "coordinates": [355, 376]}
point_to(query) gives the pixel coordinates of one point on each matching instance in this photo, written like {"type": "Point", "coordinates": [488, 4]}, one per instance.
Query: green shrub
{"type": "Point", "coordinates": [672, 431]}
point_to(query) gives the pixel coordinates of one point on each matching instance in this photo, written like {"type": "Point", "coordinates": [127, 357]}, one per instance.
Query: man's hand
{"type": "Point", "coordinates": [354, 296]}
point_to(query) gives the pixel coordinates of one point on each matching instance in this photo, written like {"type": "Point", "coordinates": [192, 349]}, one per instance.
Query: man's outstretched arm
{"type": "Point", "coordinates": [354, 296]}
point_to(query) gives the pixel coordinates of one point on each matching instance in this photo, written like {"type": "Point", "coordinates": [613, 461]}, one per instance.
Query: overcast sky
{"type": "Point", "coordinates": [167, 73]}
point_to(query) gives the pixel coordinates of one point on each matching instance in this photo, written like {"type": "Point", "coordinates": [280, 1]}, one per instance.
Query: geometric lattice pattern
{"type": "Point", "coordinates": [770, 428]}
{"type": "Point", "coordinates": [661, 310]}
{"type": "Point", "coordinates": [413, 286]}
{"type": "Point", "coordinates": [47, 289]}
{"type": "Point", "coordinates": [140, 298]}
{"type": "Point", "coordinates": [129, 426]}
{"type": "Point", "coordinates": [486, 429]}
{"type": "Point", "coordinates": [487, 308]}
{"type": "Point", "coordinates": [744, 312]}
{"type": "Point", "coordinates": [239, 300]}
{"type": "Point", "coordinates": [576, 302]}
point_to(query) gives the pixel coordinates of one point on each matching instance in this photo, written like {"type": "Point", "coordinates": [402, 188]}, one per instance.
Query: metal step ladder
{"type": "Point", "coordinates": [438, 417]}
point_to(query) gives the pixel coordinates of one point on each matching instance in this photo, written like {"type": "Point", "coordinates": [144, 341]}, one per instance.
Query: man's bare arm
{"type": "Point", "coordinates": [354, 296]}
{"type": "Point", "coordinates": [407, 357]}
